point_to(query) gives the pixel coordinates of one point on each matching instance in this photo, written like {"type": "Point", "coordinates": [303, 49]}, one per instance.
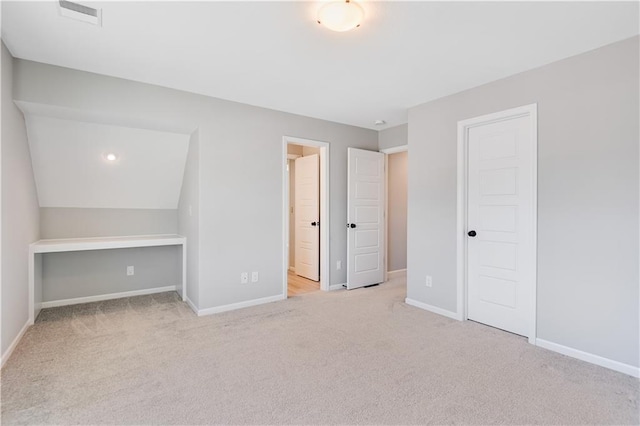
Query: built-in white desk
{"type": "Point", "coordinates": [103, 243]}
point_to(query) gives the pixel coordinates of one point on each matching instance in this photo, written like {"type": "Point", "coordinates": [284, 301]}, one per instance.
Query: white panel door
{"type": "Point", "coordinates": [365, 222]}
{"type": "Point", "coordinates": [500, 224]}
{"type": "Point", "coordinates": [307, 217]}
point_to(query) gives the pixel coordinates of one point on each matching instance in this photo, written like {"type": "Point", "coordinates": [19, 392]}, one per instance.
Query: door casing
{"type": "Point", "coordinates": [462, 205]}
{"type": "Point", "coordinates": [324, 210]}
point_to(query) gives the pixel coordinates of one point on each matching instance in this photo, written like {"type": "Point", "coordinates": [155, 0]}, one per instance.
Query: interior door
{"type": "Point", "coordinates": [365, 222]}
{"type": "Point", "coordinates": [307, 217]}
{"type": "Point", "coordinates": [500, 228]}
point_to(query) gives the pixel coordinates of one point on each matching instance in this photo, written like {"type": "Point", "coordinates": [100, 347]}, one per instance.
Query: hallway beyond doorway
{"type": "Point", "coordinates": [299, 285]}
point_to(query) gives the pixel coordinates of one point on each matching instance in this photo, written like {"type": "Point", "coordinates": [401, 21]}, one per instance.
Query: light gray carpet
{"type": "Point", "coordinates": [342, 357]}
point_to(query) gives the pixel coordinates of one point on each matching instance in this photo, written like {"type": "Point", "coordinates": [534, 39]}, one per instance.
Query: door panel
{"type": "Point", "coordinates": [365, 241]}
{"type": "Point", "coordinates": [500, 174]}
{"type": "Point", "coordinates": [307, 212]}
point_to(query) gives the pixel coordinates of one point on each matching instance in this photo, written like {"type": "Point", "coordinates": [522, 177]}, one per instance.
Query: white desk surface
{"type": "Point", "coordinates": [103, 243]}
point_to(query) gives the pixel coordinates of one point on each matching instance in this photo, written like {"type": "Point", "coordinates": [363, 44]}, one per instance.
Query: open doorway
{"type": "Point", "coordinates": [305, 215]}
{"type": "Point", "coordinates": [396, 217]}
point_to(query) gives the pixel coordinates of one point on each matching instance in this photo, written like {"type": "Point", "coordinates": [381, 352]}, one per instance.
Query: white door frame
{"type": "Point", "coordinates": [324, 210]}
{"type": "Point", "coordinates": [388, 152]}
{"type": "Point", "coordinates": [463, 168]}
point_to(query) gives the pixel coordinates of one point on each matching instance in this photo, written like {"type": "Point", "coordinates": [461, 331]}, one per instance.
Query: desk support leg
{"type": "Point", "coordinates": [184, 271]}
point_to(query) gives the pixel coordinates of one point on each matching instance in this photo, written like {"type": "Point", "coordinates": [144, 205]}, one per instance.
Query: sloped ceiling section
{"type": "Point", "coordinates": [71, 170]}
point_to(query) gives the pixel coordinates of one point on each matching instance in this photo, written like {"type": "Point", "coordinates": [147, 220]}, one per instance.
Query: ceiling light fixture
{"type": "Point", "coordinates": [380, 122]}
{"type": "Point", "coordinates": [341, 15]}
{"type": "Point", "coordinates": [110, 157]}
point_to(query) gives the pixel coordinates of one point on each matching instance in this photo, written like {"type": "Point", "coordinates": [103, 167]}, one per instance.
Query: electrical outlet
{"type": "Point", "coordinates": [429, 282]}
{"type": "Point", "coordinates": [130, 270]}
{"type": "Point", "coordinates": [254, 277]}
{"type": "Point", "coordinates": [244, 278]}
{"type": "Point", "coordinates": [339, 264]}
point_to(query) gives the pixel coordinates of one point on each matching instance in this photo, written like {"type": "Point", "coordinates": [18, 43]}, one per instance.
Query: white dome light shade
{"type": "Point", "coordinates": [111, 157]}
{"type": "Point", "coordinates": [341, 15]}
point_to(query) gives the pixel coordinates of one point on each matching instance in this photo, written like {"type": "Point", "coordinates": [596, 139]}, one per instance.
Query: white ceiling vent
{"type": "Point", "coordinates": [80, 12]}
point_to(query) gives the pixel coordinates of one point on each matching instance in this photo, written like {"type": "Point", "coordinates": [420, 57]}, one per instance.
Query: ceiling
{"type": "Point", "coordinates": [70, 169]}
{"type": "Point", "coordinates": [274, 54]}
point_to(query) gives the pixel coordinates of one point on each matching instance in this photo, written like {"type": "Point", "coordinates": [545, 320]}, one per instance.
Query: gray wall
{"type": "Point", "coordinates": [81, 274]}
{"type": "Point", "coordinates": [189, 217]}
{"type": "Point", "coordinates": [397, 212]}
{"type": "Point", "coordinates": [90, 273]}
{"type": "Point", "coordinates": [393, 136]}
{"type": "Point", "coordinates": [81, 222]}
{"type": "Point", "coordinates": [587, 196]}
{"type": "Point", "coordinates": [19, 210]}
{"type": "Point", "coordinates": [246, 235]}
{"type": "Point", "coordinates": [240, 172]}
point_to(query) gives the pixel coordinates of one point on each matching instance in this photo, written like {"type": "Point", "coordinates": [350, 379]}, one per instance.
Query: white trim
{"type": "Point", "coordinates": [293, 156]}
{"type": "Point", "coordinates": [398, 273]}
{"type": "Point", "coordinates": [324, 209]}
{"type": "Point", "coordinates": [591, 358]}
{"type": "Point", "coordinates": [385, 219]}
{"type": "Point", "coordinates": [333, 287]}
{"type": "Point", "coordinates": [102, 243]}
{"type": "Point", "coordinates": [462, 166]}
{"type": "Point", "coordinates": [7, 354]}
{"type": "Point", "coordinates": [191, 305]}
{"type": "Point", "coordinates": [395, 149]}
{"type": "Point", "coordinates": [241, 305]}
{"type": "Point", "coordinates": [182, 290]}
{"type": "Point", "coordinates": [431, 308]}
{"type": "Point", "coordinates": [111, 296]}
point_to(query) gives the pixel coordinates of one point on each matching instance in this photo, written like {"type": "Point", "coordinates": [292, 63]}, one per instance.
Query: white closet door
{"type": "Point", "coordinates": [365, 222]}
{"type": "Point", "coordinates": [500, 235]}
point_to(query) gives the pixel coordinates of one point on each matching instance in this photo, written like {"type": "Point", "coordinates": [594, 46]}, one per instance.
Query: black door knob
{"type": "Point", "coordinates": [472, 233]}
{"type": "Point", "coordinates": [353, 225]}
{"type": "Point", "coordinates": [314, 223]}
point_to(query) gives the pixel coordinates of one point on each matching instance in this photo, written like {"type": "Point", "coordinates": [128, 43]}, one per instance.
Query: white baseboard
{"type": "Point", "coordinates": [191, 305]}
{"type": "Point", "coordinates": [433, 309]}
{"type": "Point", "coordinates": [7, 354]}
{"type": "Point", "coordinates": [240, 305]}
{"type": "Point", "coordinates": [333, 287]}
{"type": "Point", "coordinates": [399, 273]}
{"type": "Point", "coordinates": [101, 297]}
{"type": "Point", "coordinates": [591, 358]}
